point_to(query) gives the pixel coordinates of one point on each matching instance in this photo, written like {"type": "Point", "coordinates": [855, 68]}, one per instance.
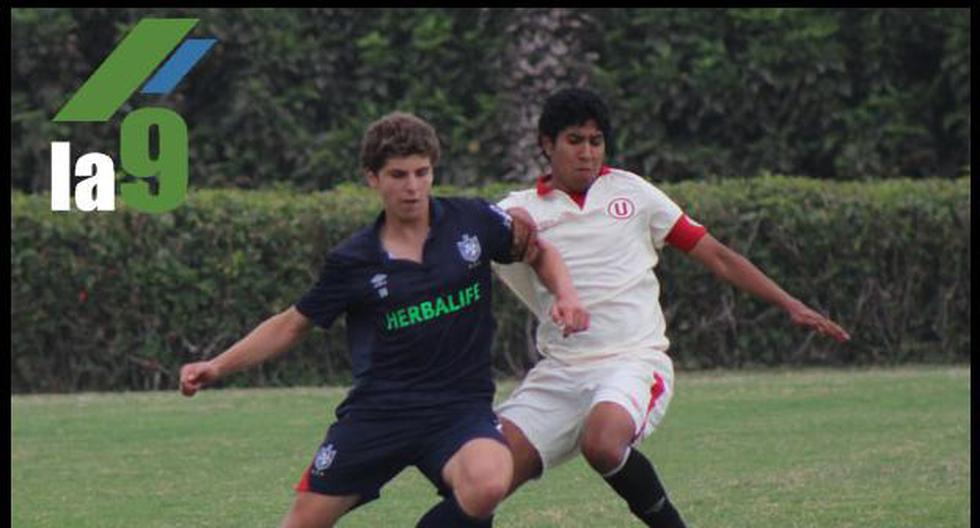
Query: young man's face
{"type": "Point", "coordinates": [404, 185]}
{"type": "Point", "coordinates": [576, 156]}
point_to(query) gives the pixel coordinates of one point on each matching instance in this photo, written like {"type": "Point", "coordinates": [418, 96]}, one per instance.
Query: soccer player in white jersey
{"type": "Point", "coordinates": [602, 391]}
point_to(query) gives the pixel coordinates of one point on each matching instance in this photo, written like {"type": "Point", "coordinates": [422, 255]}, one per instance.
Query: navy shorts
{"type": "Point", "coordinates": [358, 456]}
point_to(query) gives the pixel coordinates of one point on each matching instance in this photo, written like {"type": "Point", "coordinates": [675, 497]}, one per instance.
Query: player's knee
{"type": "Point", "coordinates": [482, 489]}
{"type": "Point", "coordinates": [602, 451]}
{"type": "Point", "coordinates": [480, 502]}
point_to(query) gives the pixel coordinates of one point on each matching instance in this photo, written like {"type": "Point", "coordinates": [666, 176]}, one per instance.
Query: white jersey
{"type": "Point", "coordinates": [610, 247]}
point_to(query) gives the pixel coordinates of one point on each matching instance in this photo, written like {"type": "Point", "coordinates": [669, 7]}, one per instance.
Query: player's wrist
{"type": "Point", "coordinates": [216, 368]}
{"type": "Point", "coordinates": [567, 297]}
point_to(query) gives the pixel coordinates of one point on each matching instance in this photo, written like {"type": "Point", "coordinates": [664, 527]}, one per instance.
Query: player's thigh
{"type": "Point", "coordinates": [641, 387]}
{"type": "Point", "coordinates": [358, 458]}
{"type": "Point", "coordinates": [548, 409]}
{"type": "Point", "coordinates": [315, 510]}
{"type": "Point", "coordinates": [527, 460]}
{"type": "Point", "coordinates": [464, 449]}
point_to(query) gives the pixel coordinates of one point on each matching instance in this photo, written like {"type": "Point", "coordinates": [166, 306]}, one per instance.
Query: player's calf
{"type": "Point", "coordinates": [448, 513]}
{"type": "Point", "coordinates": [606, 440]}
{"type": "Point", "coordinates": [637, 483]}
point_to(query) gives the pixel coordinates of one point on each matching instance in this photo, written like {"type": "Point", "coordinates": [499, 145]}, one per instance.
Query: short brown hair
{"type": "Point", "coordinates": [397, 135]}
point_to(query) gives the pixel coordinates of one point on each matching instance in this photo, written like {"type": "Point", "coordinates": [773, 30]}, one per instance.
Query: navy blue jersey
{"type": "Point", "coordinates": [419, 334]}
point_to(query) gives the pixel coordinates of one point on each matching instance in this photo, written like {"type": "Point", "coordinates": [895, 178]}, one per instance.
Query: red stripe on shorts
{"type": "Point", "coordinates": [304, 482]}
{"type": "Point", "coordinates": [655, 391]}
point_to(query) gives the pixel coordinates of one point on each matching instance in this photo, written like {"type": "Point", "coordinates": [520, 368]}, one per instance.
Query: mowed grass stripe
{"type": "Point", "coordinates": [845, 448]}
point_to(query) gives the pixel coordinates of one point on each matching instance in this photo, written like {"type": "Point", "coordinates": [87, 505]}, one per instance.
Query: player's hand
{"type": "Point", "coordinates": [194, 376]}
{"type": "Point", "coordinates": [525, 234]}
{"type": "Point", "coordinates": [803, 315]}
{"type": "Point", "coordinates": [569, 314]}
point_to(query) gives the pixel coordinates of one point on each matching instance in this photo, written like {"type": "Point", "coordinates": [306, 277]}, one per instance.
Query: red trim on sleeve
{"type": "Point", "coordinates": [686, 234]}
{"type": "Point", "coordinates": [304, 482]}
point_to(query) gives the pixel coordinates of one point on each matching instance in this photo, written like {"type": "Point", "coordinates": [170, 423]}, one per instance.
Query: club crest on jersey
{"type": "Point", "coordinates": [469, 248]}
{"type": "Point", "coordinates": [621, 208]}
{"type": "Point", "coordinates": [324, 457]}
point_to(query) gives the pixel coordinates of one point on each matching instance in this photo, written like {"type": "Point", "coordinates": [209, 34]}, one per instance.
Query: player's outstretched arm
{"type": "Point", "coordinates": [738, 270]}
{"type": "Point", "coordinates": [272, 337]}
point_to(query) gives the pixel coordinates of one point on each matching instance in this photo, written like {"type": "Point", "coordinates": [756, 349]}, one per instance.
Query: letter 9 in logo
{"type": "Point", "coordinates": [169, 166]}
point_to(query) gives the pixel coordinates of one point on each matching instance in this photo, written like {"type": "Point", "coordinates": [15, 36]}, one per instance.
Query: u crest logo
{"type": "Point", "coordinates": [621, 208]}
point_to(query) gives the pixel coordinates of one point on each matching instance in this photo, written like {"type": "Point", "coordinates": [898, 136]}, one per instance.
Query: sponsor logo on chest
{"type": "Point", "coordinates": [432, 308]}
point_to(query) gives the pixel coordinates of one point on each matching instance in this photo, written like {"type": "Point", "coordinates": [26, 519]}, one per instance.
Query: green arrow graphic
{"type": "Point", "coordinates": [126, 68]}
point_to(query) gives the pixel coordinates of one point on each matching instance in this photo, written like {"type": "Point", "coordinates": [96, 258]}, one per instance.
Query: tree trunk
{"type": "Point", "coordinates": [548, 50]}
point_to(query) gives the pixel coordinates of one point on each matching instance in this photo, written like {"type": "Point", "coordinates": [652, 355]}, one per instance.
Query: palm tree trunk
{"type": "Point", "coordinates": [548, 50]}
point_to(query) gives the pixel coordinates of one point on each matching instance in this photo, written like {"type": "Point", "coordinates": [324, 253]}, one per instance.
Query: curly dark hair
{"type": "Point", "coordinates": [396, 135]}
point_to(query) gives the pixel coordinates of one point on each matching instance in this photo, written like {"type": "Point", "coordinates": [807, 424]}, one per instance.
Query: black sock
{"type": "Point", "coordinates": [448, 514]}
{"type": "Point", "coordinates": [637, 483]}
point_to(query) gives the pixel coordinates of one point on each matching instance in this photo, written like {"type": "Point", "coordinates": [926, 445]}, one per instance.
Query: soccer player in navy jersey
{"type": "Point", "coordinates": [602, 391]}
{"type": "Point", "coordinates": [415, 288]}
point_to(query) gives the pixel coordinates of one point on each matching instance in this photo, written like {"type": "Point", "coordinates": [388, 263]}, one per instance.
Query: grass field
{"type": "Point", "coordinates": [844, 448]}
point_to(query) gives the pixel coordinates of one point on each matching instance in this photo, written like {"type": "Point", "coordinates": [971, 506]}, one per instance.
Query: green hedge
{"type": "Point", "coordinates": [119, 300]}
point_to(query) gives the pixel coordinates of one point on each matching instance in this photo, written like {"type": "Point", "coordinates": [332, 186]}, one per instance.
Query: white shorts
{"type": "Point", "coordinates": [551, 404]}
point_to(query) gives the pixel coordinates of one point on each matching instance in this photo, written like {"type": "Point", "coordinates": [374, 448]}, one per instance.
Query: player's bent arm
{"type": "Point", "coordinates": [546, 261]}
{"type": "Point", "coordinates": [524, 245]}
{"type": "Point", "coordinates": [550, 268]}
{"type": "Point", "coordinates": [269, 339]}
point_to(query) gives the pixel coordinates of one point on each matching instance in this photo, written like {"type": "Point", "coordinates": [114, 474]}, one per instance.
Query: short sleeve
{"type": "Point", "coordinates": [498, 226]}
{"type": "Point", "coordinates": [328, 298]}
{"type": "Point", "coordinates": [662, 212]}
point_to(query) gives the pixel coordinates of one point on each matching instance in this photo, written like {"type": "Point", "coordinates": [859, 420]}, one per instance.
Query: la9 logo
{"type": "Point", "coordinates": [168, 166]}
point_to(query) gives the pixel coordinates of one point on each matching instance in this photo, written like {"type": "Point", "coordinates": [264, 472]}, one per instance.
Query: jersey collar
{"type": "Point", "coordinates": [544, 186]}
{"type": "Point", "coordinates": [436, 214]}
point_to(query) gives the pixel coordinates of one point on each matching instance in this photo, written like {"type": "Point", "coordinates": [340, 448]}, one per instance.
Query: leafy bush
{"type": "Point", "coordinates": [119, 300]}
